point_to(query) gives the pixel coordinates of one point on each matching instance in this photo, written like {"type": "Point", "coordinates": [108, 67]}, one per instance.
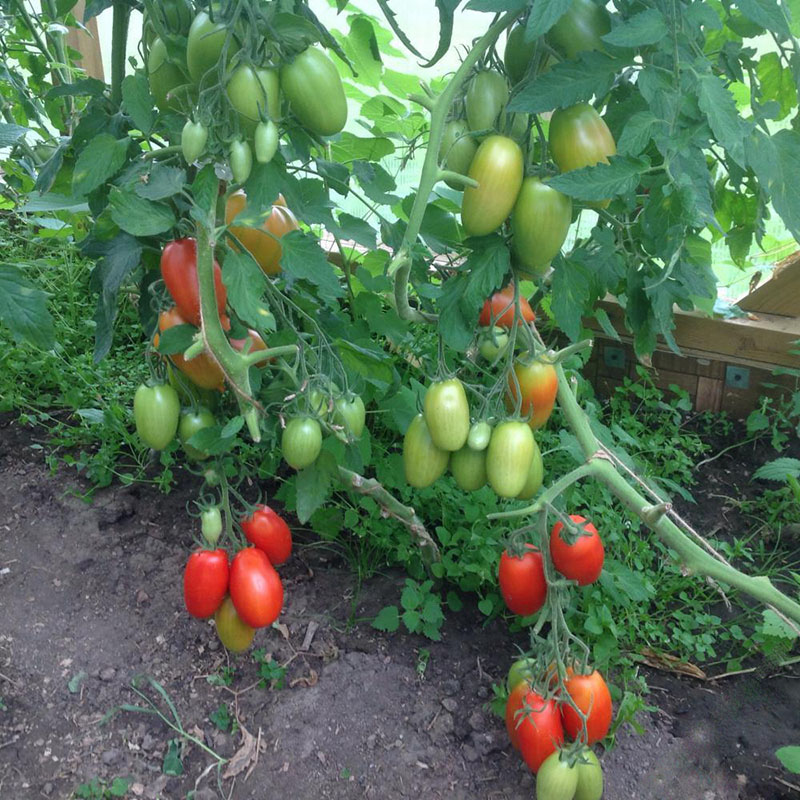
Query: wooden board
{"type": "Point", "coordinates": [780, 294]}
{"type": "Point", "coordinates": [87, 44]}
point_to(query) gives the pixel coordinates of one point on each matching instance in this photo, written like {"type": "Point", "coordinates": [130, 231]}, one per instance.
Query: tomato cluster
{"type": "Point", "coordinates": [246, 593]}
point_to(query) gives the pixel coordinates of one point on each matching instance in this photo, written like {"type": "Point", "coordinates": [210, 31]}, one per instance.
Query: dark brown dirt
{"type": "Point", "coordinates": [91, 598]}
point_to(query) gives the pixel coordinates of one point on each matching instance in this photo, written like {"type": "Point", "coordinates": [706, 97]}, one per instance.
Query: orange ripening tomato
{"type": "Point", "coordinates": [538, 384]}
{"type": "Point", "coordinates": [264, 245]}
{"type": "Point", "coordinates": [202, 370]}
{"type": "Point", "coordinates": [590, 694]}
{"type": "Point", "coordinates": [499, 309]}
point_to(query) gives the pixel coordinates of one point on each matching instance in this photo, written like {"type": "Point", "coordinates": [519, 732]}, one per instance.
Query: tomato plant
{"type": "Point", "coordinates": [590, 694]}
{"type": "Point", "coordinates": [540, 733]}
{"type": "Point", "coordinates": [457, 150]}
{"type": "Point", "coordinates": [423, 461]}
{"type": "Point", "coordinates": [179, 271]}
{"type": "Point", "coordinates": [522, 670]}
{"type": "Point", "coordinates": [590, 777]}
{"type": "Point", "coordinates": [581, 28]}
{"type": "Point", "coordinates": [480, 434]}
{"type": "Point", "coordinates": [447, 414]}
{"type": "Point", "coordinates": [498, 169]}
{"type": "Point", "coordinates": [165, 77]}
{"type": "Point", "coordinates": [579, 138]}
{"type": "Point", "coordinates": [255, 588]}
{"type": "Point", "coordinates": [350, 414]}
{"type": "Point", "coordinates": [211, 524]}
{"type": "Point", "coordinates": [266, 141]}
{"type": "Point", "coordinates": [241, 159]}
{"type": "Point", "coordinates": [556, 779]}
{"type": "Point", "coordinates": [264, 245]}
{"type": "Point", "coordinates": [193, 140]}
{"type": "Point", "coordinates": [492, 343]}
{"type": "Point", "coordinates": [508, 459]}
{"type": "Point", "coordinates": [206, 41]}
{"type": "Point", "coordinates": [268, 531]}
{"type": "Point", "coordinates": [536, 383]}
{"type": "Point", "coordinates": [253, 91]}
{"type": "Point", "coordinates": [487, 95]}
{"type": "Point", "coordinates": [469, 468]}
{"type": "Point", "coordinates": [522, 581]}
{"type": "Point", "coordinates": [500, 309]}
{"type": "Point", "coordinates": [202, 370]}
{"type": "Point", "coordinates": [581, 560]}
{"type": "Point", "coordinates": [235, 634]}
{"type": "Point", "coordinates": [301, 442]}
{"type": "Point", "coordinates": [156, 411]}
{"type": "Point", "coordinates": [190, 423]}
{"type": "Point", "coordinates": [205, 582]}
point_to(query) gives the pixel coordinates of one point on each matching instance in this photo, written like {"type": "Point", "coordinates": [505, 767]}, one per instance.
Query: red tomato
{"type": "Point", "coordinates": [590, 694]}
{"type": "Point", "coordinates": [269, 532]}
{"type": "Point", "coordinates": [540, 733]}
{"type": "Point", "coordinates": [256, 589]}
{"type": "Point", "coordinates": [538, 384]}
{"type": "Point", "coordinates": [514, 704]}
{"type": "Point", "coordinates": [202, 370]}
{"type": "Point", "coordinates": [522, 581]}
{"type": "Point", "coordinates": [205, 582]}
{"type": "Point", "coordinates": [499, 309]}
{"type": "Point", "coordinates": [179, 271]}
{"type": "Point", "coordinates": [256, 342]}
{"type": "Point", "coordinates": [581, 561]}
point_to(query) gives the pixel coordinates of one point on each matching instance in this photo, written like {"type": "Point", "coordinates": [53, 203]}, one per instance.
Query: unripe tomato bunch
{"type": "Point", "coordinates": [246, 592]}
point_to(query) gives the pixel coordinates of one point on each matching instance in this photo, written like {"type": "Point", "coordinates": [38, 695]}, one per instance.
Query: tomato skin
{"type": "Point", "coordinates": [156, 410]}
{"type": "Point", "coordinates": [211, 524]}
{"type": "Point", "coordinates": [508, 459]}
{"type": "Point", "coordinates": [492, 343]}
{"type": "Point", "coordinates": [205, 582]}
{"type": "Point", "coordinates": [500, 309]}
{"type": "Point", "coordinates": [423, 461]}
{"type": "Point", "coordinates": [264, 245]}
{"type": "Point", "coordinates": [255, 588]}
{"type": "Point", "coordinates": [498, 169]}
{"type": "Point", "coordinates": [469, 468]}
{"type": "Point", "coordinates": [252, 91]}
{"type": "Point", "coordinates": [513, 705]}
{"type": "Point", "coordinates": [265, 141]}
{"type": "Point", "coordinates": [446, 411]}
{"type": "Point", "coordinates": [269, 532]}
{"type": "Point", "coordinates": [590, 777]}
{"type": "Point", "coordinates": [316, 96]}
{"type": "Point", "coordinates": [350, 414]}
{"type": "Point", "coordinates": [556, 779]}
{"type": "Point", "coordinates": [487, 95]}
{"type": "Point", "coordinates": [480, 434]}
{"type": "Point", "coordinates": [580, 28]}
{"type": "Point", "coordinates": [301, 442]}
{"type": "Point", "coordinates": [234, 634]}
{"type": "Point", "coordinates": [533, 482]}
{"type": "Point", "coordinates": [521, 671]}
{"type": "Point", "coordinates": [457, 149]}
{"type": "Point", "coordinates": [179, 271]}
{"type": "Point", "coordinates": [193, 140]}
{"type": "Point", "coordinates": [204, 45]}
{"type": "Point", "coordinates": [581, 561]}
{"type": "Point", "coordinates": [241, 157]}
{"type": "Point", "coordinates": [164, 77]}
{"type": "Point", "coordinates": [192, 422]}
{"type": "Point", "coordinates": [591, 695]}
{"type": "Point", "coordinates": [202, 370]}
{"type": "Point", "coordinates": [522, 581]}
{"type": "Point", "coordinates": [539, 222]}
{"type": "Point", "coordinates": [540, 732]}
{"type": "Point", "coordinates": [579, 138]}
{"type": "Point", "coordinates": [538, 386]}
{"type": "Point", "coordinates": [518, 54]}
{"type": "Point", "coordinates": [255, 342]}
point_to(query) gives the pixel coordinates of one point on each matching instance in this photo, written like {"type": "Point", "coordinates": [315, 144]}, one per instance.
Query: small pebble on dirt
{"type": "Point", "coordinates": [450, 704]}
{"type": "Point", "coordinates": [107, 674]}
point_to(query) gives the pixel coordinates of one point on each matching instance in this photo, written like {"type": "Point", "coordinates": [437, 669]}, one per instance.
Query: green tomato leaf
{"type": "Point", "coordinates": [601, 181]}
{"type": "Point", "coordinates": [637, 133]}
{"type": "Point", "coordinates": [23, 309]}
{"type": "Point", "coordinates": [767, 14]}
{"type": "Point", "coordinates": [367, 148]}
{"type": "Point", "coordinates": [496, 6]}
{"type": "Point", "coordinates": [361, 47]}
{"type": "Point", "coordinates": [138, 216]}
{"type": "Point", "coordinates": [48, 172]}
{"type": "Point", "coordinates": [303, 259]}
{"type": "Point", "coordinates": [776, 83]}
{"type": "Point", "coordinates": [388, 619]}
{"type": "Point", "coordinates": [373, 366]}
{"type": "Point", "coordinates": [173, 765]}
{"type": "Point", "coordinates": [85, 87]}
{"type": "Point", "coordinates": [137, 102]}
{"type": "Point", "coordinates": [162, 182]}
{"type": "Point", "coordinates": [376, 182]}
{"type": "Point", "coordinates": [646, 27]}
{"type": "Point", "coordinates": [119, 787]}
{"type": "Point", "coordinates": [716, 101]}
{"type": "Point", "coordinates": [357, 230]}
{"type": "Point", "coordinates": [245, 283]}
{"type": "Point", "coordinates": [778, 470]}
{"type": "Point", "coordinates": [543, 15]}
{"type": "Point", "coordinates": [98, 161]}
{"type": "Point", "coordinates": [10, 133]}
{"type": "Point", "coordinates": [313, 485]}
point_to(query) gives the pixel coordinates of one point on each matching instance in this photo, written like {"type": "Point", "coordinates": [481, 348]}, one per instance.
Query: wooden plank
{"type": "Point", "coordinates": [674, 363]}
{"type": "Point", "coordinates": [781, 293]}
{"type": "Point", "coordinates": [87, 44]}
{"type": "Point", "coordinates": [710, 368]}
{"type": "Point", "coordinates": [664, 377]}
{"type": "Point", "coordinates": [709, 394]}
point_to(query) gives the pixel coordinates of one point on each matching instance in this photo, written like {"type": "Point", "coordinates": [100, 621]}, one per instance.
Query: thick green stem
{"type": "Point", "coordinates": [457, 177]}
{"type": "Point", "coordinates": [119, 44]}
{"type": "Point", "coordinates": [257, 356]}
{"type": "Point", "coordinates": [400, 267]}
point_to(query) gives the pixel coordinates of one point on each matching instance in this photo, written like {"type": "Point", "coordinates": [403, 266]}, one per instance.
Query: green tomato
{"type": "Point", "coordinates": [487, 95]}
{"type": "Point", "coordinates": [423, 461]}
{"type": "Point", "coordinates": [469, 468]}
{"type": "Point", "coordinates": [234, 633]}
{"type": "Point", "coordinates": [580, 29]}
{"type": "Point", "coordinates": [579, 137]}
{"type": "Point", "coordinates": [211, 524]}
{"type": "Point", "coordinates": [447, 414]}
{"type": "Point", "coordinates": [535, 475]}
{"type": "Point", "coordinates": [457, 149]}
{"type": "Point", "coordinates": [193, 140]}
{"type": "Point", "coordinates": [350, 414]}
{"type": "Point", "coordinates": [155, 411]}
{"type": "Point", "coordinates": [265, 141]}
{"type": "Point", "coordinates": [492, 343]}
{"type": "Point", "coordinates": [165, 77]}
{"type": "Point", "coordinates": [590, 777]}
{"type": "Point", "coordinates": [253, 92]}
{"type": "Point", "coordinates": [241, 161]}
{"type": "Point", "coordinates": [301, 442]}
{"type": "Point", "coordinates": [521, 670]}
{"type": "Point", "coordinates": [508, 460]}
{"type": "Point", "coordinates": [204, 46]}
{"type": "Point", "coordinates": [169, 16]}
{"type": "Point", "coordinates": [192, 422]}
{"type": "Point", "coordinates": [318, 403]}
{"type": "Point", "coordinates": [556, 779]}
{"type": "Point", "coordinates": [316, 96]}
{"type": "Point", "coordinates": [479, 435]}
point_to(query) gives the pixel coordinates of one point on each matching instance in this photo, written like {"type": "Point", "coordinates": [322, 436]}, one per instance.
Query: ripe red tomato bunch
{"type": "Point", "coordinates": [246, 593]}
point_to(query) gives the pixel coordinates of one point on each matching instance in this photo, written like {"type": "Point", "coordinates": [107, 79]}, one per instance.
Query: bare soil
{"type": "Point", "coordinates": [91, 598]}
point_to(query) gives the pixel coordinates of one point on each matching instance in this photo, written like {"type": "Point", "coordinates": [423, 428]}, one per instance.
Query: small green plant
{"type": "Point", "coordinates": [224, 677]}
{"type": "Point", "coordinates": [790, 758]}
{"type": "Point", "coordinates": [223, 719]}
{"type": "Point", "coordinates": [95, 789]}
{"type": "Point", "coordinates": [422, 611]}
{"type": "Point", "coordinates": [272, 674]}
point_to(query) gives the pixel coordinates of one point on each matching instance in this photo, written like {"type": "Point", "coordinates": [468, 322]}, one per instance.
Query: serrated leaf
{"type": "Point", "coordinates": [205, 187]}
{"type": "Point", "coordinates": [245, 282]}
{"type": "Point", "coordinates": [543, 15]}
{"type": "Point", "coordinates": [778, 469]}
{"type": "Point", "coordinates": [646, 27]}
{"type": "Point", "coordinates": [313, 485]}
{"type": "Point", "coordinates": [777, 627]}
{"type": "Point", "coordinates": [412, 620]}
{"type": "Point", "coordinates": [637, 133]}
{"type": "Point", "coordinates": [85, 87]}
{"type": "Point", "coordinates": [361, 47]}
{"type": "Point", "coordinates": [98, 161]}
{"type": "Point", "coordinates": [374, 367]}
{"type": "Point", "coordinates": [23, 309]}
{"type": "Point", "coordinates": [48, 172]}
{"type": "Point", "coordinates": [767, 13]}
{"type": "Point", "coordinates": [173, 766]}
{"type": "Point", "coordinates": [358, 230]}
{"type": "Point", "coordinates": [601, 181]}
{"type": "Point", "coordinates": [572, 288]}
{"type": "Point", "coordinates": [162, 182]}
{"type": "Point", "coordinates": [716, 101]}
{"type": "Point", "coordinates": [388, 619]}
{"type": "Point", "coordinates": [138, 216]}
{"type": "Point", "coordinates": [567, 83]}
{"type": "Point", "coordinates": [303, 259]}
{"type": "Point", "coordinates": [138, 102]}
{"type": "Point", "coordinates": [776, 83]}
{"type": "Point", "coordinates": [10, 133]}
{"type": "Point", "coordinates": [368, 148]}
{"type": "Point", "coordinates": [496, 6]}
